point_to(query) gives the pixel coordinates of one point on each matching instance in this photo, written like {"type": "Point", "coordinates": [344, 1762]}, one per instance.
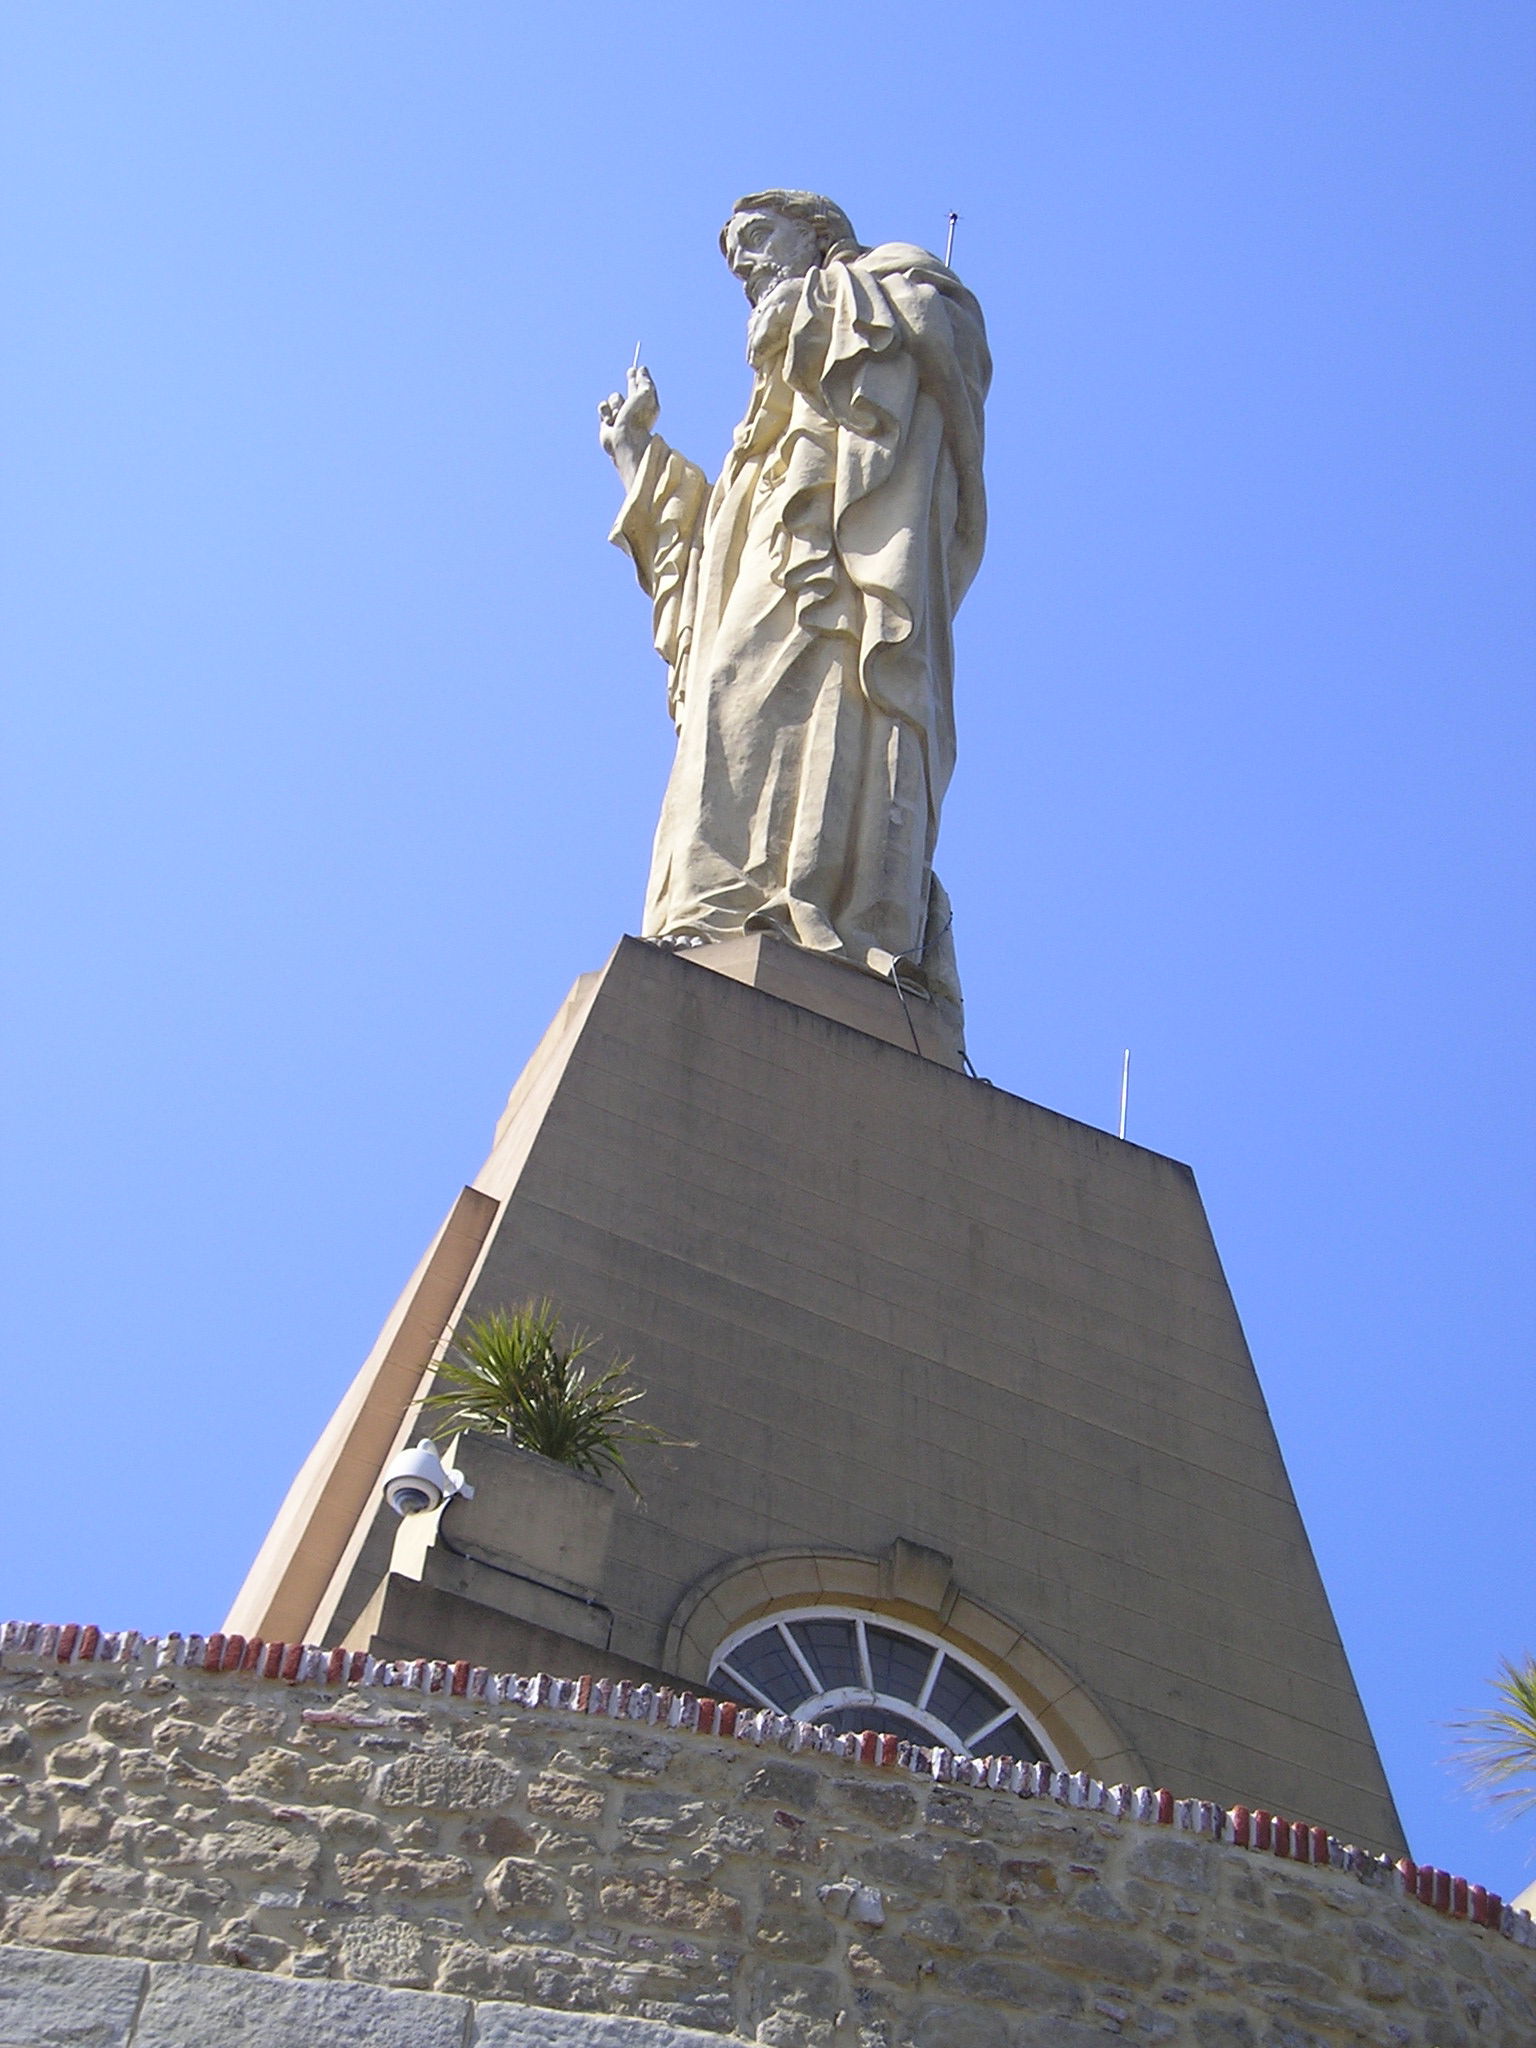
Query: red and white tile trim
{"type": "Point", "coordinates": [27, 1644]}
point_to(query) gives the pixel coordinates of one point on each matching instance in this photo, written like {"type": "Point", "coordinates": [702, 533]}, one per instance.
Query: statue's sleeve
{"type": "Point", "coordinates": [661, 527]}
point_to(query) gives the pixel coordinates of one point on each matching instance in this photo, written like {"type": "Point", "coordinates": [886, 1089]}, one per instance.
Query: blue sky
{"type": "Point", "coordinates": [334, 741]}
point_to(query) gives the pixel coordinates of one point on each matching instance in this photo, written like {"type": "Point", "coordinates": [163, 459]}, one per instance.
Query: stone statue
{"type": "Point", "coordinates": [803, 604]}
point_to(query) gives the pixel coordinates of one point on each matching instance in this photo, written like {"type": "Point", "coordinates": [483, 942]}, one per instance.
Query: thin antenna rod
{"type": "Point", "coordinates": [1125, 1087]}
{"type": "Point", "coordinates": [949, 245]}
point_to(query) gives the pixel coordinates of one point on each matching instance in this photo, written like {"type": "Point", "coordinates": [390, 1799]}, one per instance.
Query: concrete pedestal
{"type": "Point", "coordinates": [896, 1307]}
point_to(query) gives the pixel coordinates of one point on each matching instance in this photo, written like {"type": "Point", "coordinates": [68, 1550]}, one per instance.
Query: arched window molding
{"type": "Point", "coordinates": [916, 1589]}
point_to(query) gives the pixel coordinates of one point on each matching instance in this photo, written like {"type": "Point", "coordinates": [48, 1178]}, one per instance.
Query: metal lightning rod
{"type": "Point", "coordinates": [949, 245]}
{"type": "Point", "coordinates": [1125, 1087]}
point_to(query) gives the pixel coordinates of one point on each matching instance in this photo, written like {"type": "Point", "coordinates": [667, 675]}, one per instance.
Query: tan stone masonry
{"type": "Point", "coordinates": [758, 1880]}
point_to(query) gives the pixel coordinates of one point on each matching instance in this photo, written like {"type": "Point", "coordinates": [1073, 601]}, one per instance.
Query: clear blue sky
{"type": "Point", "coordinates": [336, 741]}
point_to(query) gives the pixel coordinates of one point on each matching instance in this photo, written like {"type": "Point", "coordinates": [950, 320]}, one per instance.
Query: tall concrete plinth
{"type": "Point", "coordinates": [945, 1355]}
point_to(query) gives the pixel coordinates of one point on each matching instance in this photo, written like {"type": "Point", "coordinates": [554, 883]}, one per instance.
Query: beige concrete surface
{"type": "Point", "coordinates": [836, 989]}
{"type": "Point", "coordinates": [526, 1515]}
{"type": "Point", "coordinates": [530, 1542]}
{"type": "Point", "coordinates": [891, 1302]}
{"type": "Point", "coordinates": [409, 1617]}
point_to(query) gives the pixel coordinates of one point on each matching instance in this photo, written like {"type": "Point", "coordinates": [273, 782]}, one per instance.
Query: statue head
{"type": "Point", "coordinates": [773, 236]}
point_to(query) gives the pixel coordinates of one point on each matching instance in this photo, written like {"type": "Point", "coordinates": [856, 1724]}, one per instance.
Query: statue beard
{"type": "Point", "coordinates": [769, 322]}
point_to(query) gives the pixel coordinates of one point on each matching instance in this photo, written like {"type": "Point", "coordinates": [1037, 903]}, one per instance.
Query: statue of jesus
{"type": "Point", "coordinates": [803, 605]}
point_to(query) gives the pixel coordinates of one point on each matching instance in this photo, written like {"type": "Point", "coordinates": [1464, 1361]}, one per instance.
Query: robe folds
{"type": "Point", "coordinates": [803, 606]}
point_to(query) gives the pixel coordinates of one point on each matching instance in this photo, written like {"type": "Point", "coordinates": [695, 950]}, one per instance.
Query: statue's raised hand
{"type": "Point", "coordinates": [627, 419]}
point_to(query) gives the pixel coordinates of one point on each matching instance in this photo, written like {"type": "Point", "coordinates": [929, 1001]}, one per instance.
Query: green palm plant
{"type": "Point", "coordinates": [515, 1374]}
{"type": "Point", "coordinates": [1497, 1748]}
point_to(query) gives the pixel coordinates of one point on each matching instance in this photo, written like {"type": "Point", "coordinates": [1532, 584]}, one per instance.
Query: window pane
{"type": "Point", "coordinates": [830, 1649]}
{"type": "Point", "coordinates": [765, 1659]}
{"type": "Point", "coordinates": [724, 1687]}
{"type": "Point", "coordinates": [883, 1720]}
{"type": "Point", "coordinates": [898, 1668]}
{"type": "Point", "coordinates": [962, 1701]}
{"type": "Point", "coordinates": [1014, 1739]}
{"type": "Point", "coordinates": [899, 1665]}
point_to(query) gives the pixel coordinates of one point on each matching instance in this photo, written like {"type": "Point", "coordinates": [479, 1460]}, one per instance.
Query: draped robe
{"type": "Point", "coordinates": [804, 606]}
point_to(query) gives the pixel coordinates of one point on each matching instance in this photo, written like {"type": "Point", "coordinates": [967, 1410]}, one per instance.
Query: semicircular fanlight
{"type": "Point", "coordinates": [856, 1671]}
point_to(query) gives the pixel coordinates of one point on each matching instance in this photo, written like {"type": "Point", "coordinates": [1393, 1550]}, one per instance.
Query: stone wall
{"type": "Point", "coordinates": [471, 1856]}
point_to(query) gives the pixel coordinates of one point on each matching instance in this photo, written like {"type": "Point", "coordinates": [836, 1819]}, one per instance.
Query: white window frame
{"type": "Point", "coordinates": [818, 1704]}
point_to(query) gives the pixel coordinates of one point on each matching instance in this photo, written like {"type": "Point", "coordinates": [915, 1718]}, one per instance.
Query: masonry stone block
{"type": "Point", "coordinates": [522, 2026]}
{"type": "Point", "coordinates": [52, 2000]}
{"type": "Point", "coordinates": [195, 2006]}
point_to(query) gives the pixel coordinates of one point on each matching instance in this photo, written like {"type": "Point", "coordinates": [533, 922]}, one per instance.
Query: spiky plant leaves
{"type": "Point", "coordinates": [1497, 1748]}
{"type": "Point", "coordinates": [514, 1373]}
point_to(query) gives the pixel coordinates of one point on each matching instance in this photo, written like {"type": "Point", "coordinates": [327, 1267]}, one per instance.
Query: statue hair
{"type": "Point", "coordinates": [831, 226]}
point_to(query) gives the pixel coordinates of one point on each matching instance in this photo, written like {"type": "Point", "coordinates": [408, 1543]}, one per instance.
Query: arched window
{"type": "Point", "coordinates": [856, 1671]}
